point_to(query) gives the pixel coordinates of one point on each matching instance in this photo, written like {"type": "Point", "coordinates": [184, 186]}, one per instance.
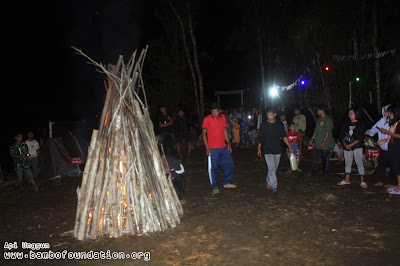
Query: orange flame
{"type": "Point", "coordinates": [119, 222]}
{"type": "Point", "coordinates": [105, 120]}
{"type": "Point", "coordinates": [90, 218]}
{"type": "Point", "coordinates": [121, 166]}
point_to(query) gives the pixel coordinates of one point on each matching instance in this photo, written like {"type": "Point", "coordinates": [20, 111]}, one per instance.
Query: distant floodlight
{"type": "Point", "coordinates": [303, 82]}
{"type": "Point", "coordinates": [273, 92]}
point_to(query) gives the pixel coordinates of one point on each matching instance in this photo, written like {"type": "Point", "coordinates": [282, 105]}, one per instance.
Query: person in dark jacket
{"type": "Point", "coordinates": [352, 136]}
{"type": "Point", "coordinates": [174, 167]}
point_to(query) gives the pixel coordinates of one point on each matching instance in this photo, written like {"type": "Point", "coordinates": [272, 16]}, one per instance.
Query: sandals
{"type": "Point", "coordinates": [343, 183]}
{"type": "Point", "coordinates": [215, 191]}
{"type": "Point", "coordinates": [394, 190]}
{"type": "Point", "coordinates": [363, 185]}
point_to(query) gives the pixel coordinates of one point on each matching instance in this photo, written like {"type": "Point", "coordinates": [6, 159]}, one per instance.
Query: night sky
{"type": "Point", "coordinates": [45, 80]}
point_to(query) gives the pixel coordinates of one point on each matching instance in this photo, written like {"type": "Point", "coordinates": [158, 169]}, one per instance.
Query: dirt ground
{"type": "Point", "coordinates": [310, 221]}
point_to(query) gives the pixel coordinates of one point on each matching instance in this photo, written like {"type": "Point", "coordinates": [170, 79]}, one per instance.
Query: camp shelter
{"type": "Point", "coordinates": [55, 156]}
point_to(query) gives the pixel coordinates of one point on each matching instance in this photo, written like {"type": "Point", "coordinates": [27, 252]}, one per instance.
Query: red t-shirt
{"type": "Point", "coordinates": [215, 131]}
{"type": "Point", "coordinates": [294, 138]}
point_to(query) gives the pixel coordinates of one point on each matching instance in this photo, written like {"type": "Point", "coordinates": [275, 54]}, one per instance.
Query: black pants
{"type": "Point", "coordinates": [316, 155]}
{"type": "Point", "coordinates": [394, 159]}
{"type": "Point", "coordinates": [168, 143]}
{"type": "Point", "coordinates": [380, 170]}
{"type": "Point", "coordinates": [179, 182]}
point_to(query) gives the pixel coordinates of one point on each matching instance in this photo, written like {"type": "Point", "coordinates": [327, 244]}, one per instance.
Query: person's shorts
{"type": "Point", "coordinates": [183, 136]}
{"type": "Point", "coordinates": [295, 149]}
{"type": "Point", "coordinates": [25, 172]}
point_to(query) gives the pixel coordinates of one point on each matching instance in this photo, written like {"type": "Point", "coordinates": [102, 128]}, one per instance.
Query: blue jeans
{"type": "Point", "coordinates": [33, 165]}
{"type": "Point", "coordinates": [272, 161]}
{"type": "Point", "coordinates": [221, 157]}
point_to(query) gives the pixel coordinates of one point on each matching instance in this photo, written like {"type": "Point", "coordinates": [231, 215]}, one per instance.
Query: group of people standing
{"type": "Point", "coordinates": [25, 155]}
{"type": "Point", "coordinates": [272, 132]}
{"type": "Point", "coordinates": [242, 126]}
{"type": "Point", "coordinates": [175, 136]}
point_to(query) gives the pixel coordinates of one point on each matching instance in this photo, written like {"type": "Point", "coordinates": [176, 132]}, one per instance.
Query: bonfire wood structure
{"type": "Point", "coordinates": [124, 189]}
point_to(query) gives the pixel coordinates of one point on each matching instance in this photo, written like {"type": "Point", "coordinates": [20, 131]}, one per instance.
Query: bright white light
{"type": "Point", "coordinates": [273, 92]}
{"type": "Point", "coordinates": [249, 116]}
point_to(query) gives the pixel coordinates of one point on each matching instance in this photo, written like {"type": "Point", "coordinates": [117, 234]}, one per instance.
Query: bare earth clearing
{"type": "Point", "coordinates": [310, 221]}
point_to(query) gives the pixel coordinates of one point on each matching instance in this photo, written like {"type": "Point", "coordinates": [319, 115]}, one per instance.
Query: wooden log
{"type": "Point", "coordinates": [124, 189]}
{"type": "Point", "coordinates": [81, 192]}
{"type": "Point", "coordinates": [89, 193]}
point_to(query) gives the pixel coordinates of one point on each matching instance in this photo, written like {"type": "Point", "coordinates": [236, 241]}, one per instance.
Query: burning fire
{"type": "Point", "coordinates": [90, 218]}
{"type": "Point", "coordinates": [121, 166]}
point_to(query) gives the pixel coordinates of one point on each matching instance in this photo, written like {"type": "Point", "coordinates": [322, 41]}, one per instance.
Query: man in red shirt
{"type": "Point", "coordinates": [218, 147]}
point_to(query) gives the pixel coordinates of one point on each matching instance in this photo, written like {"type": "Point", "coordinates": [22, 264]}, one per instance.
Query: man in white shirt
{"type": "Point", "coordinates": [33, 151]}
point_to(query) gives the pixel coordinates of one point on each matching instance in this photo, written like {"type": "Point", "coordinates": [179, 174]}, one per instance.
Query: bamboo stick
{"type": "Point", "coordinates": [81, 192]}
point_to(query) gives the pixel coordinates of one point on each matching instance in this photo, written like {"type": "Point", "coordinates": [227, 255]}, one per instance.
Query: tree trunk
{"type": "Point", "coordinates": [377, 63]}
{"type": "Point", "coordinates": [261, 68]}
{"type": "Point", "coordinates": [355, 45]}
{"type": "Point", "coordinates": [196, 64]}
{"type": "Point", "coordinates": [189, 60]}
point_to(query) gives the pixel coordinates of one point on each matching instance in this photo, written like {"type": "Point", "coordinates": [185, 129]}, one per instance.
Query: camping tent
{"type": "Point", "coordinates": [55, 155]}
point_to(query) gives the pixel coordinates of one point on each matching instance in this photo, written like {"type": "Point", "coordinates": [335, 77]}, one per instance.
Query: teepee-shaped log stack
{"type": "Point", "coordinates": [124, 189]}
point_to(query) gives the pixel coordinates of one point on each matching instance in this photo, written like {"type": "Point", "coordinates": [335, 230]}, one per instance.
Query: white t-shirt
{"type": "Point", "coordinates": [33, 146]}
{"type": "Point", "coordinates": [339, 151]}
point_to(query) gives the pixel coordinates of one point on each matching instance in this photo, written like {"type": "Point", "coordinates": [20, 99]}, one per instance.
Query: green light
{"type": "Point", "coordinates": [357, 79]}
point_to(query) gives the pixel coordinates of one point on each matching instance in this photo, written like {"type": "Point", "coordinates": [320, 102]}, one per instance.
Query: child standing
{"type": "Point", "coordinates": [294, 140]}
{"type": "Point", "coordinates": [236, 131]}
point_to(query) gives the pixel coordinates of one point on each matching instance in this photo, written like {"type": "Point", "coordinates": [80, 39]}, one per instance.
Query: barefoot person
{"type": "Point", "coordinates": [218, 146]}
{"type": "Point", "coordinates": [383, 161]}
{"type": "Point", "coordinates": [269, 136]}
{"type": "Point", "coordinates": [19, 153]}
{"type": "Point", "coordinates": [394, 145]}
{"type": "Point", "coordinates": [352, 136]}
